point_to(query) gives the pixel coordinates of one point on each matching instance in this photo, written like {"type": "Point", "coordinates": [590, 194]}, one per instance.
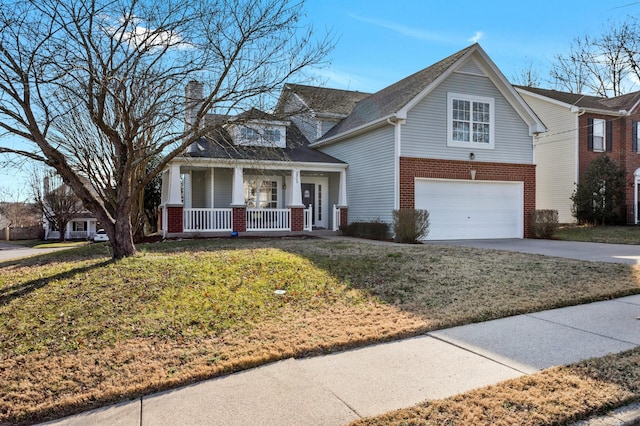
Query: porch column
{"type": "Point", "coordinates": [174, 196]}
{"type": "Point", "coordinates": [239, 214]}
{"type": "Point", "coordinates": [296, 190]}
{"type": "Point", "coordinates": [342, 192]}
{"type": "Point", "coordinates": [237, 187]}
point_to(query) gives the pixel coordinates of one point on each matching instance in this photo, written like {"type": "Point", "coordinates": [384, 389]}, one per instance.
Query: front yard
{"type": "Point", "coordinates": [81, 331]}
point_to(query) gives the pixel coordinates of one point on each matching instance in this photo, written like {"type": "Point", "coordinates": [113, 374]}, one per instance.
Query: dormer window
{"type": "Point", "coordinates": [260, 133]}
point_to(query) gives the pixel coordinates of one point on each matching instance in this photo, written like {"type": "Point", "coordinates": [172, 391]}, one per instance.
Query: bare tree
{"type": "Point", "coordinates": [55, 200]}
{"type": "Point", "coordinates": [94, 87]}
{"type": "Point", "coordinates": [528, 76]}
{"type": "Point", "coordinates": [16, 210]}
{"type": "Point", "coordinates": [600, 65]}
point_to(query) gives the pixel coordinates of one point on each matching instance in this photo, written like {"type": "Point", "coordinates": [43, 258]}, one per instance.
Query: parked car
{"type": "Point", "coordinates": [100, 235]}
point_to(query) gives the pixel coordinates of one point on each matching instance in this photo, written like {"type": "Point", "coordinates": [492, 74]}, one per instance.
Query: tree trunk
{"type": "Point", "coordinates": [123, 237]}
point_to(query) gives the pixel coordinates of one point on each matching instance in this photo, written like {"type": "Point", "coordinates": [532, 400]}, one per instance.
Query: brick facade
{"type": "Point", "coordinates": [344, 215]}
{"type": "Point", "coordinates": [621, 152]}
{"type": "Point", "coordinates": [174, 219]}
{"type": "Point", "coordinates": [297, 219]}
{"type": "Point", "coordinates": [239, 219]}
{"type": "Point", "coordinates": [411, 168]}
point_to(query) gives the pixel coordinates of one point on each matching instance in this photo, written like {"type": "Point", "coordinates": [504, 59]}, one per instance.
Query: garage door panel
{"type": "Point", "coordinates": [471, 209]}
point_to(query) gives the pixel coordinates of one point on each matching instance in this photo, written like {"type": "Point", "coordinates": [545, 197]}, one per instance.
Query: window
{"type": "Point", "coordinates": [635, 140]}
{"type": "Point", "coordinates": [260, 134]}
{"type": "Point", "coordinates": [598, 135]}
{"type": "Point", "coordinates": [272, 136]}
{"type": "Point", "coordinates": [79, 226]}
{"type": "Point", "coordinates": [470, 121]}
{"type": "Point", "coordinates": [248, 134]}
{"type": "Point", "coordinates": [261, 193]}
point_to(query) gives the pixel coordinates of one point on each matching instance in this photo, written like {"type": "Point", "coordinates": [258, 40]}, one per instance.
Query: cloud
{"type": "Point", "coordinates": [479, 35]}
{"type": "Point", "coordinates": [401, 29]}
{"type": "Point", "coordinates": [346, 80]}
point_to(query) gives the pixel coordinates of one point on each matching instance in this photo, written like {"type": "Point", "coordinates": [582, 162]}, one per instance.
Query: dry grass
{"type": "Point", "coordinates": [560, 395]}
{"type": "Point", "coordinates": [599, 234]}
{"type": "Point", "coordinates": [81, 331]}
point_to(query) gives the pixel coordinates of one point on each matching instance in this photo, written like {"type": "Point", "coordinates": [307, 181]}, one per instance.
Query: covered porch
{"type": "Point", "coordinates": [202, 196]}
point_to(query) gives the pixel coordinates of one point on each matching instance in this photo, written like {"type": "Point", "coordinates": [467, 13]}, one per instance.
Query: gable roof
{"type": "Point", "coordinates": [322, 100]}
{"type": "Point", "coordinates": [395, 100]}
{"type": "Point", "coordinates": [617, 105]}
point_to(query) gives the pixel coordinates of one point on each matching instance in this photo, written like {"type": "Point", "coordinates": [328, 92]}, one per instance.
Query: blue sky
{"type": "Point", "coordinates": [380, 42]}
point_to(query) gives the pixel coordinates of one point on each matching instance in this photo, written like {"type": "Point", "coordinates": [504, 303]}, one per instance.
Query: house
{"type": "Point", "coordinates": [455, 139]}
{"type": "Point", "coordinates": [581, 128]}
{"type": "Point", "coordinates": [58, 199]}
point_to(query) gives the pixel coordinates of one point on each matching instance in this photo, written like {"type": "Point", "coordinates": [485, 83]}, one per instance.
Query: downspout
{"type": "Point", "coordinates": [396, 160]}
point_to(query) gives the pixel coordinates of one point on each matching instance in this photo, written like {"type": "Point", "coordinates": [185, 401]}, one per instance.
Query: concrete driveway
{"type": "Point", "coordinates": [594, 252]}
{"type": "Point", "coordinates": [14, 251]}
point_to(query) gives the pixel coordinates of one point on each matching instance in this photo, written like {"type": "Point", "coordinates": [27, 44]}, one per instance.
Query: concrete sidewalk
{"type": "Point", "coordinates": [342, 387]}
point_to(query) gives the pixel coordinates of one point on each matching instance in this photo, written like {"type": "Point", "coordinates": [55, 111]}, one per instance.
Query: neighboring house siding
{"type": "Point", "coordinates": [370, 186]}
{"type": "Point", "coordinates": [222, 187]}
{"type": "Point", "coordinates": [555, 155]}
{"type": "Point", "coordinates": [425, 133]}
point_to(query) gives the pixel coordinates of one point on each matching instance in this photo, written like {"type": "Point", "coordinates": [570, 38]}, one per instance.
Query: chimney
{"type": "Point", "coordinates": [194, 95]}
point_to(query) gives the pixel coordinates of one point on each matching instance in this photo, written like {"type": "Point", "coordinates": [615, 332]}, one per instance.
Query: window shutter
{"type": "Point", "coordinates": [634, 136]}
{"type": "Point", "coordinates": [609, 136]}
{"type": "Point", "coordinates": [590, 134]}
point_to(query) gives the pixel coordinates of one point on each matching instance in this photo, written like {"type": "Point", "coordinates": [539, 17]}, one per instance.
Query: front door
{"type": "Point", "coordinates": [308, 197]}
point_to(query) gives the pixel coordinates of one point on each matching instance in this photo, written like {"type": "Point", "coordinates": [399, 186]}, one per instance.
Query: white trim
{"type": "Point", "coordinates": [472, 99]}
{"type": "Point", "coordinates": [257, 164]}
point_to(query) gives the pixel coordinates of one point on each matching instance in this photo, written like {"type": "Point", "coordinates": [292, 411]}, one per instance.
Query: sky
{"type": "Point", "coordinates": [380, 42]}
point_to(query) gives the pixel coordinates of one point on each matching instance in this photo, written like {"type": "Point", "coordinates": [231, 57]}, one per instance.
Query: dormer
{"type": "Point", "coordinates": [257, 128]}
{"type": "Point", "coordinates": [271, 134]}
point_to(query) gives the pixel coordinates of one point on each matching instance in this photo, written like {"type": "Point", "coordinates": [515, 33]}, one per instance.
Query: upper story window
{"type": "Point", "coordinates": [470, 121]}
{"type": "Point", "coordinates": [600, 135]}
{"type": "Point", "coordinates": [259, 133]}
{"type": "Point", "coordinates": [635, 139]}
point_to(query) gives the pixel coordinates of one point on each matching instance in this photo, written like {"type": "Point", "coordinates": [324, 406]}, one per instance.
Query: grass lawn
{"type": "Point", "coordinates": [600, 234]}
{"type": "Point", "coordinates": [80, 330]}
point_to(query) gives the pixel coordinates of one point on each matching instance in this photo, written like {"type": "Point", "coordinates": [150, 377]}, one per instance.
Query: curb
{"type": "Point", "coordinates": [628, 415]}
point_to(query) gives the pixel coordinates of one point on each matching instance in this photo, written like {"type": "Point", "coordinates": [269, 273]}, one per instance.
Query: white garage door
{"type": "Point", "coordinates": [460, 209]}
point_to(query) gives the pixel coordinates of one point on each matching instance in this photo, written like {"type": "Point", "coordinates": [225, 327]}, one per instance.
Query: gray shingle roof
{"type": "Point", "coordinates": [615, 104]}
{"type": "Point", "coordinates": [219, 144]}
{"type": "Point", "coordinates": [325, 100]}
{"type": "Point", "coordinates": [392, 98]}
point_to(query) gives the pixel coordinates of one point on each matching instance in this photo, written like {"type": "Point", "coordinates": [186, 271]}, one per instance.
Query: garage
{"type": "Point", "coordinates": [463, 209]}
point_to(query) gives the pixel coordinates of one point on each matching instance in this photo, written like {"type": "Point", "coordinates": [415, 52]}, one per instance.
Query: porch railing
{"type": "Point", "coordinates": [308, 218]}
{"type": "Point", "coordinates": [268, 219]}
{"type": "Point", "coordinates": [77, 235]}
{"type": "Point", "coordinates": [207, 220]}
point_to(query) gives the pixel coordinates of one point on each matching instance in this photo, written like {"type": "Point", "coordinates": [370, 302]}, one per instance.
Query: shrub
{"type": "Point", "coordinates": [544, 223]}
{"type": "Point", "coordinates": [410, 225]}
{"type": "Point", "coordinates": [600, 193]}
{"type": "Point", "coordinates": [373, 230]}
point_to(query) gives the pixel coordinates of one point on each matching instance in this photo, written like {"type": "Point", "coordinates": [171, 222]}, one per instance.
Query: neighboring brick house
{"type": "Point", "coordinates": [455, 139]}
{"type": "Point", "coordinates": [581, 128]}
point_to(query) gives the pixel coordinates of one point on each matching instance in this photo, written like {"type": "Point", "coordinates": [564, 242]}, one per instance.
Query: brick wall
{"type": "Point", "coordinates": [297, 219]}
{"type": "Point", "coordinates": [174, 219]}
{"type": "Point", "coordinates": [239, 219]}
{"type": "Point", "coordinates": [622, 153]}
{"type": "Point", "coordinates": [344, 215]}
{"type": "Point", "coordinates": [411, 168]}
